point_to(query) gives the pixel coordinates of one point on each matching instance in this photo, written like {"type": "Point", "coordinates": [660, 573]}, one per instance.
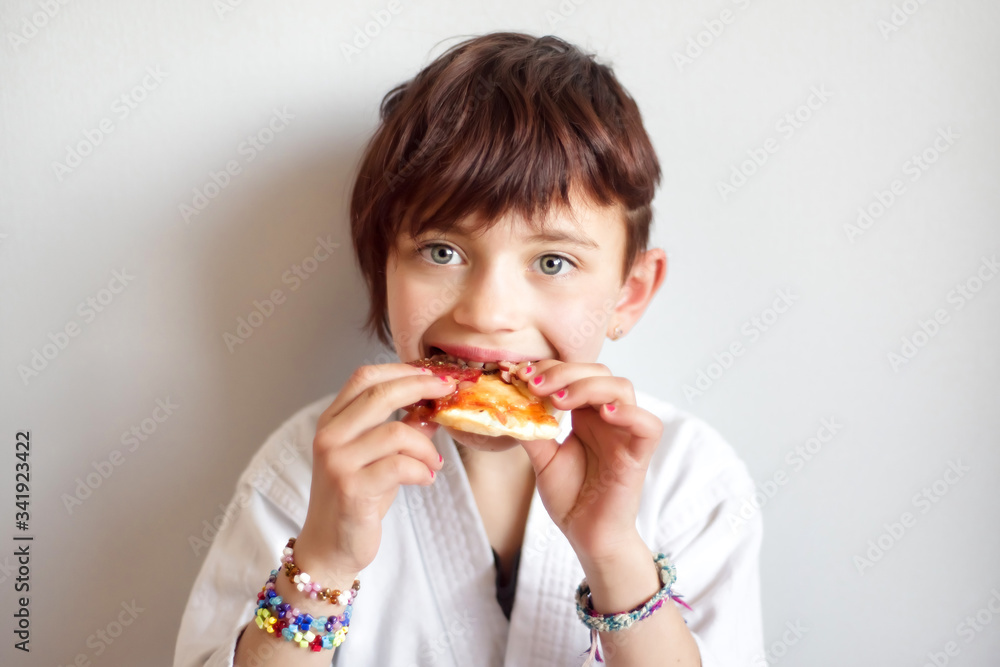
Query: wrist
{"type": "Point", "coordinates": [614, 554]}
{"type": "Point", "coordinates": [322, 568]}
{"type": "Point", "coordinates": [624, 580]}
{"type": "Point", "coordinates": [297, 599]}
{"type": "Point", "coordinates": [314, 630]}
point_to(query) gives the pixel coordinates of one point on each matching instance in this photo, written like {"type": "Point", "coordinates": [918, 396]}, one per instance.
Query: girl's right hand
{"type": "Point", "coordinates": [359, 462]}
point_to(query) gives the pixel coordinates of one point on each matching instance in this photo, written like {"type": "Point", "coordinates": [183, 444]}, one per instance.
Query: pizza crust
{"type": "Point", "coordinates": [483, 423]}
{"type": "Point", "coordinates": [474, 410]}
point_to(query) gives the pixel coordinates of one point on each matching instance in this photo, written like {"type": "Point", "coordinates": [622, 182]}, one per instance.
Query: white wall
{"type": "Point", "coordinates": [222, 75]}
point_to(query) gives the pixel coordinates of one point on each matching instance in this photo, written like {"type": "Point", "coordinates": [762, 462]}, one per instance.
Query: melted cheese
{"type": "Point", "coordinates": [508, 408]}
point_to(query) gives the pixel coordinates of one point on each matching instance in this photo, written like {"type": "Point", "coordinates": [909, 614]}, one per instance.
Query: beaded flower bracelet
{"type": "Point", "coordinates": [623, 620]}
{"type": "Point", "coordinates": [286, 622]}
{"type": "Point", "coordinates": [304, 582]}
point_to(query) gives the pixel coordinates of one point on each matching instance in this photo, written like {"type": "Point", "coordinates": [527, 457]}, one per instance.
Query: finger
{"type": "Point", "coordinates": [595, 391]}
{"type": "Point", "coordinates": [550, 378]}
{"type": "Point", "coordinates": [376, 404]}
{"type": "Point", "coordinates": [388, 439]}
{"type": "Point", "coordinates": [361, 379]}
{"type": "Point", "coordinates": [528, 369]}
{"type": "Point", "coordinates": [388, 473]}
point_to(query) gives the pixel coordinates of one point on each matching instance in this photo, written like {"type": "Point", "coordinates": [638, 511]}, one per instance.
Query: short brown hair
{"type": "Point", "coordinates": [501, 122]}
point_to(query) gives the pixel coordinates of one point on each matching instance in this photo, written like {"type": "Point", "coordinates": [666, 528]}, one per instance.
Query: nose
{"type": "Point", "coordinates": [491, 299]}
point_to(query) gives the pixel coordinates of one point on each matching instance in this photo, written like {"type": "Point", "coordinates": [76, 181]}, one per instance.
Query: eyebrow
{"type": "Point", "coordinates": [564, 237]}
{"type": "Point", "coordinates": [553, 236]}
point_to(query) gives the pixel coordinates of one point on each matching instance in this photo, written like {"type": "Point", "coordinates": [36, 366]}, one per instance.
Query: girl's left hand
{"type": "Point", "coordinates": [592, 483]}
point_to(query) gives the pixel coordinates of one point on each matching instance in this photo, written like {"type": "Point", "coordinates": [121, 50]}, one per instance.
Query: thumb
{"type": "Point", "coordinates": [426, 428]}
{"type": "Point", "coordinates": [540, 452]}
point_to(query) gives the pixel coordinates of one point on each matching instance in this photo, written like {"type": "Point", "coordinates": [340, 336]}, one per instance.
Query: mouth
{"type": "Point", "coordinates": [477, 357]}
{"type": "Point", "coordinates": [487, 361]}
{"type": "Point", "coordinates": [438, 354]}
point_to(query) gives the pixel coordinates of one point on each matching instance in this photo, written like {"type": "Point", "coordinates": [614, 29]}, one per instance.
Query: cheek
{"type": "Point", "coordinates": [413, 306]}
{"type": "Point", "coordinates": [404, 322]}
{"type": "Point", "coordinates": [396, 299]}
{"type": "Point", "coordinates": [580, 328]}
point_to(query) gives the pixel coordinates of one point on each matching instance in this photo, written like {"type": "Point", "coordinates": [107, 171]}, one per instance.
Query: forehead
{"type": "Point", "coordinates": [583, 222]}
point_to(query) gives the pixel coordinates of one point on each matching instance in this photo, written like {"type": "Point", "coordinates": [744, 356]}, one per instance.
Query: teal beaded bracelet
{"type": "Point", "coordinates": [623, 620]}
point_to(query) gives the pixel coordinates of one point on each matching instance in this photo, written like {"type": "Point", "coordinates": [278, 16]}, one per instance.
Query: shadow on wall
{"type": "Point", "coordinates": [277, 306]}
{"type": "Point", "coordinates": [281, 303]}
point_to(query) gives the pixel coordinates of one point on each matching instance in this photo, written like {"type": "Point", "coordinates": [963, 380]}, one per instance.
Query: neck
{"type": "Point", "coordinates": [508, 467]}
{"type": "Point", "coordinates": [503, 484]}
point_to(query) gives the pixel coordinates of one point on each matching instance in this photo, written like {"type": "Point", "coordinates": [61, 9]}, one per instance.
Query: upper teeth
{"type": "Point", "coordinates": [485, 365]}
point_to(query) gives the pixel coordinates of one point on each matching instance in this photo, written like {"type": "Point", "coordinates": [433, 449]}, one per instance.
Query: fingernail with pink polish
{"type": "Point", "coordinates": [537, 380]}
{"type": "Point", "coordinates": [561, 393]}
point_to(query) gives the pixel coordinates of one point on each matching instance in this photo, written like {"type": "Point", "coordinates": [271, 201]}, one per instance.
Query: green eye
{"type": "Point", "coordinates": [439, 253]}
{"type": "Point", "coordinates": [552, 264]}
{"type": "Point", "coordinates": [442, 254]}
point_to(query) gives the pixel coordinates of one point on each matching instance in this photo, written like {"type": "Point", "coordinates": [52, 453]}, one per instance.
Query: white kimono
{"type": "Point", "coordinates": [429, 597]}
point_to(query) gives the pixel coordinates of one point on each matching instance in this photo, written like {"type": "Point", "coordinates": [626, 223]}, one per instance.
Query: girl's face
{"type": "Point", "coordinates": [510, 290]}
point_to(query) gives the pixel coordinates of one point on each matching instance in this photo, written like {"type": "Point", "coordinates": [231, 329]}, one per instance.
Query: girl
{"type": "Point", "coordinates": [501, 212]}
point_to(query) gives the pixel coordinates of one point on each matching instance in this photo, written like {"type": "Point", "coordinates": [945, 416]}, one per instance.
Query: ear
{"type": "Point", "coordinates": [638, 290]}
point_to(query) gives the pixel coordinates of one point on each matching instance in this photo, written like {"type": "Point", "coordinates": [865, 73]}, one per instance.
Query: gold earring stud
{"type": "Point", "coordinates": [618, 333]}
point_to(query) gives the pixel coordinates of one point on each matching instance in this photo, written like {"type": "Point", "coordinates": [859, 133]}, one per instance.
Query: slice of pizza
{"type": "Point", "coordinates": [490, 400]}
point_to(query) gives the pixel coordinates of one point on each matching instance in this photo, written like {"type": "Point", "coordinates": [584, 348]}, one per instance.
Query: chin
{"type": "Point", "coordinates": [482, 443]}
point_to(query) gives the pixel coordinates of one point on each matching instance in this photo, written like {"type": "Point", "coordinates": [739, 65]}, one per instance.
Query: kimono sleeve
{"type": "Point", "coordinates": [716, 550]}
{"type": "Point", "coordinates": [248, 538]}
{"type": "Point", "coordinates": [224, 596]}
